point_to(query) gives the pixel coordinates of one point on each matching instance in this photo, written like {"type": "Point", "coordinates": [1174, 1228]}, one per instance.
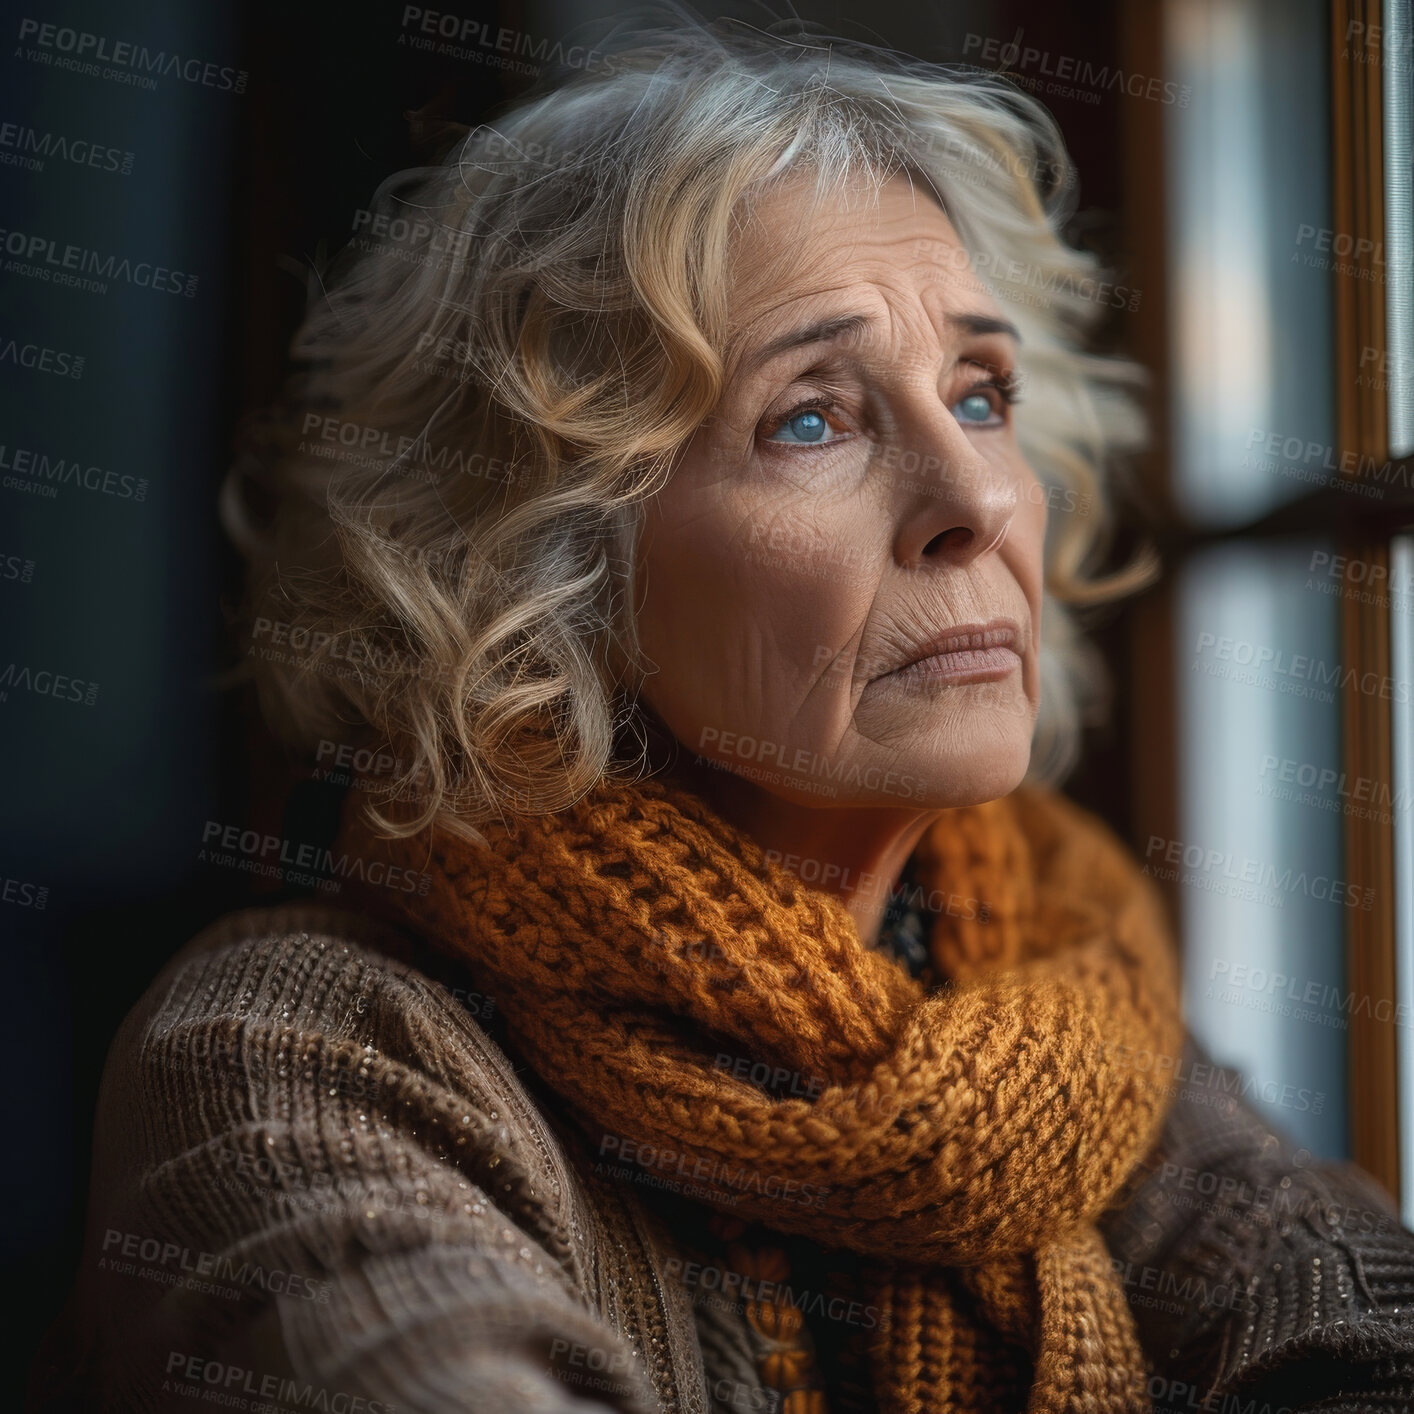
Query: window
{"type": "Point", "coordinates": [1283, 635]}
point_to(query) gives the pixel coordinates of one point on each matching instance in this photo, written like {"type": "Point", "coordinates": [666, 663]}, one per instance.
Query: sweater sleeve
{"type": "Point", "coordinates": [318, 1186]}
{"type": "Point", "coordinates": [1256, 1275]}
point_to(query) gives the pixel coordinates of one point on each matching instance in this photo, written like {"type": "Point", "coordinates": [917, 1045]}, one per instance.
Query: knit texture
{"type": "Point", "coordinates": [301, 1092]}
{"type": "Point", "coordinates": [965, 1138]}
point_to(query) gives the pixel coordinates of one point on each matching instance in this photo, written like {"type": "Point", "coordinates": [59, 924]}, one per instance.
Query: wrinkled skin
{"type": "Point", "coordinates": [849, 498]}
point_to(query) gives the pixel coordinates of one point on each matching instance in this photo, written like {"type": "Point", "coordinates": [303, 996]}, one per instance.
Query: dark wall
{"type": "Point", "coordinates": [229, 168]}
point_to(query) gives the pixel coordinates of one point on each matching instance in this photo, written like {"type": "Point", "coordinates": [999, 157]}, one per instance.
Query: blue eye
{"type": "Point", "coordinates": [974, 408]}
{"type": "Point", "coordinates": [804, 427]}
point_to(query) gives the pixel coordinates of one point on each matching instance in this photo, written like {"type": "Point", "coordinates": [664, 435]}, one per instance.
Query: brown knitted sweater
{"type": "Point", "coordinates": [320, 1183]}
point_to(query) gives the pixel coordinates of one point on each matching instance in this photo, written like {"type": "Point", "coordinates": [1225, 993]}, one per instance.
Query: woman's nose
{"type": "Point", "coordinates": [956, 507]}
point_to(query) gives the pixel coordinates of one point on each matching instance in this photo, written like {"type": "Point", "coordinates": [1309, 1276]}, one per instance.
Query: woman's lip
{"type": "Point", "coordinates": [960, 665]}
{"type": "Point", "coordinates": [964, 653]}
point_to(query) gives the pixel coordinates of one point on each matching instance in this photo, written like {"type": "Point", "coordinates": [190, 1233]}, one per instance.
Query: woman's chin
{"type": "Point", "coordinates": [958, 778]}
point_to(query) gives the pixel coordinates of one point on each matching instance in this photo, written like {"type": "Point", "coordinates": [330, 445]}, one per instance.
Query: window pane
{"type": "Point", "coordinates": [1262, 895]}
{"type": "Point", "coordinates": [1248, 220]}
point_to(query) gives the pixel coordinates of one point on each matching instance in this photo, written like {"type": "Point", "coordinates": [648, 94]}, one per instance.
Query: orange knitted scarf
{"type": "Point", "coordinates": [964, 1138]}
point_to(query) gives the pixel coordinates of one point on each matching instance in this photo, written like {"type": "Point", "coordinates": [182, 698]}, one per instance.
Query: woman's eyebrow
{"type": "Point", "coordinates": [849, 325]}
{"type": "Point", "coordinates": [822, 331]}
{"type": "Point", "coordinates": [984, 324]}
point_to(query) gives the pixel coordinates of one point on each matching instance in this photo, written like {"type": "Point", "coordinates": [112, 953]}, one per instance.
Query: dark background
{"type": "Point", "coordinates": [107, 804]}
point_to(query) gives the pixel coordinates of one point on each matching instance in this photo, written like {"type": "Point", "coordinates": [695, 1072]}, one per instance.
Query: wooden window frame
{"type": "Point", "coordinates": [1362, 420]}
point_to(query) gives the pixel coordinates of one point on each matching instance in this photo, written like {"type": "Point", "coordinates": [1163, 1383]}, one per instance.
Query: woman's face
{"type": "Point", "coordinates": [840, 586]}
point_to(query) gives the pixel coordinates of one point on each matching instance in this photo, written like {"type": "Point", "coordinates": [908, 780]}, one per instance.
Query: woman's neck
{"type": "Point", "coordinates": [857, 854]}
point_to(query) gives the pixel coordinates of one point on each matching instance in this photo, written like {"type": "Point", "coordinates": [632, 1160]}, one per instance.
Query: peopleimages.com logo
{"type": "Point", "coordinates": [276, 852]}
{"type": "Point", "coordinates": [83, 51]}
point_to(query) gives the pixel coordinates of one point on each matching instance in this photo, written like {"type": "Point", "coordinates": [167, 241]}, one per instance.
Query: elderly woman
{"type": "Point", "coordinates": [672, 520]}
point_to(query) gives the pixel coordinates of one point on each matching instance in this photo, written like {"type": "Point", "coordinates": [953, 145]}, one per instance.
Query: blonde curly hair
{"type": "Point", "coordinates": [440, 515]}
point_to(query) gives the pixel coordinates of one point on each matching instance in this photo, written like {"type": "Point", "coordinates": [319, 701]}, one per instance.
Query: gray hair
{"type": "Point", "coordinates": [440, 516]}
